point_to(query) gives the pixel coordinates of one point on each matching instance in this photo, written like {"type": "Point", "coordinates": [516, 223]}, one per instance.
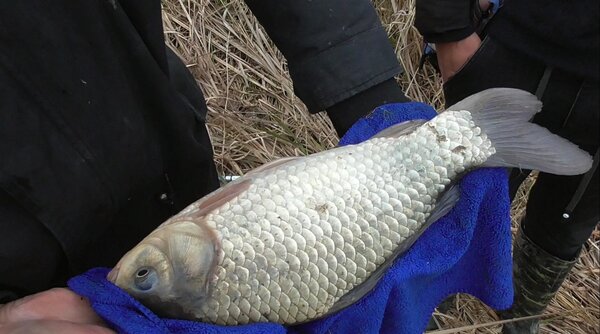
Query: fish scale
{"type": "Point", "coordinates": [335, 241]}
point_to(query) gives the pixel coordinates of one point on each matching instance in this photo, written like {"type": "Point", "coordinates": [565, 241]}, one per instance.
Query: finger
{"type": "Point", "coordinates": [56, 304]}
{"type": "Point", "coordinates": [484, 5]}
{"type": "Point", "coordinates": [51, 327]}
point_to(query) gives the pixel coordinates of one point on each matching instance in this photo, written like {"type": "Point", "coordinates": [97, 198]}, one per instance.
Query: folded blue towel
{"type": "Point", "coordinates": [467, 251]}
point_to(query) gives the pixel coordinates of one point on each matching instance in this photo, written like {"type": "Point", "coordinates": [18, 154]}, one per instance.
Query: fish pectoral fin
{"type": "Point", "coordinates": [400, 129]}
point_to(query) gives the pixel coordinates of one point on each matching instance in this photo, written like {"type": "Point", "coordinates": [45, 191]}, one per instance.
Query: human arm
{"type": "Point", "coordinates": [338, 54]}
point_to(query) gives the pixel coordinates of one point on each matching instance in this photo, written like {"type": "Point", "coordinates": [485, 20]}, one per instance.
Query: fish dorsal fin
{"type": "Point", "coordinates": [271, 165]}
{"type": "Point", "coordinates": [444, 205]}
{"type": "Point", "coordinates": [222, 196]}
{"type": "Point", "coordinates": [232, 189]}
{"type": "Point", "coordinates": [212, 201]}
{"type": "Point", "coordinates": [400, 129]}
{"type": "Point", "coordinates": [217, 198]}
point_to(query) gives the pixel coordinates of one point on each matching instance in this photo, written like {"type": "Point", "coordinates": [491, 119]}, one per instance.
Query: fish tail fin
{"type": "Point", "coordinates": [504, 115]}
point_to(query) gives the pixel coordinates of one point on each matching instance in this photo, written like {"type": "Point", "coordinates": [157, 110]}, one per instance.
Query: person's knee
{"type": "Point", "coordinates": [561, 239]}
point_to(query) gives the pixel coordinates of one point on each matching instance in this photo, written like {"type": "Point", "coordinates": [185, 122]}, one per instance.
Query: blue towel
{"type": "Point", "coordinates": [467, 251]}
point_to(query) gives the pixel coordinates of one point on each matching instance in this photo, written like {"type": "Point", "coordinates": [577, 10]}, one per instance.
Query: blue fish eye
{"type": "Point", "coordinates": [145, 278]}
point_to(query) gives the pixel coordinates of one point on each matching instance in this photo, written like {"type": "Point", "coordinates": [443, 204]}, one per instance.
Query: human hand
{"type": "Point", "coordinates": [53, 311]}
{"type": "Point", "coordinates": [452, 56]}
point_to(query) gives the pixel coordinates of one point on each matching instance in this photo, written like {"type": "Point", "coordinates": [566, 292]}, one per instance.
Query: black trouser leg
{"type": "Point", "coordinates": [544, 223]}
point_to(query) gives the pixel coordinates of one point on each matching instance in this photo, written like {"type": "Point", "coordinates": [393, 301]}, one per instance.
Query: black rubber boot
{"type": "Point", "coordinates": [537, 277]}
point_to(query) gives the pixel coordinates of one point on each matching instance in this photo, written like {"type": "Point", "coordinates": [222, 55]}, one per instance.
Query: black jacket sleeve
{"type": "Point", "coordinates": [442, 21]}
{"type": "Point", "coordinates": [335, 48]}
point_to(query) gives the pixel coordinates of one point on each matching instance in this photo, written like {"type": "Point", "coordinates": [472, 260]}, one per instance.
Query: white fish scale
{"type": "Point", "coordinates": [306, 235]}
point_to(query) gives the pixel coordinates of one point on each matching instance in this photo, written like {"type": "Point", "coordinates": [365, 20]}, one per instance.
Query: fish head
{"type": "Point", "coordinates": [170, 271]}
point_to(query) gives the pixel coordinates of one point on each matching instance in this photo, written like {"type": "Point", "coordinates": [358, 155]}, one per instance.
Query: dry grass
{"type": "Point", "coordinates": [254, 117]}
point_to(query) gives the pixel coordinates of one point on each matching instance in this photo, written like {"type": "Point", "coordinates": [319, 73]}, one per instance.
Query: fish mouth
{"type": "Point", "coordinates": [113, 274]}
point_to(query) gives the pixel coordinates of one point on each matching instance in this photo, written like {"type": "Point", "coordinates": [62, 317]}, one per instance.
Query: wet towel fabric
{"type": "Point", "coordinates": [467, 251]}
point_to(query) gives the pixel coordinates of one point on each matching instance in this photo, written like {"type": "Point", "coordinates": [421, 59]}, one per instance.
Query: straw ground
{"type": "Point", "coordinates": [254, 118]}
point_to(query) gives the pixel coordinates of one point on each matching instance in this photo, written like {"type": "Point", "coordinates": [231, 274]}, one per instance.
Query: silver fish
{"type": "Point", "coordinates": [303, 237]}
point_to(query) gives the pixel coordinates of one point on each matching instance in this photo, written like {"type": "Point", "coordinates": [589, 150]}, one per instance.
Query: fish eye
{"type": "Point", "coordinates": [145, 278]}
{"type": "Point", "coordinates": [142, 273]}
